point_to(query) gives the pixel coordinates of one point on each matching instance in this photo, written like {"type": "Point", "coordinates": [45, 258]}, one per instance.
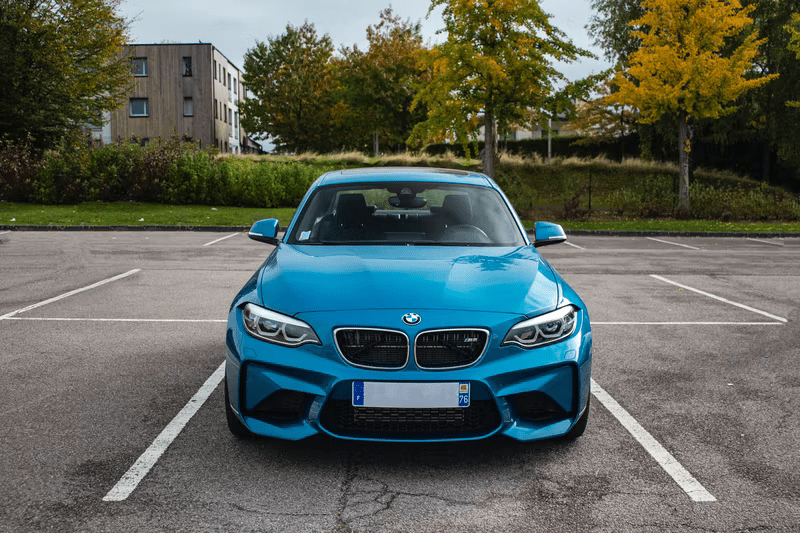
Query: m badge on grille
{"type": "Point", "coordinates": [412, 319]}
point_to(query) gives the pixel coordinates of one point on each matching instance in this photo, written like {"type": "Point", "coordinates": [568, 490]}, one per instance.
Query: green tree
{"type": "Point", "coordinates": [611, 29]}
{"type": "Point", "coordinates": [794, 45]}
{"type": "Point", "coordinates": [62, 66]}
{"type": "Point", "coordinates": [291, 87]}
{"type": "Point", "coordinates": [762, 115]}
{"type": "Point", "coordinates": [680, 67]}
{"type": "Point", "coordinates": [495, 69]}
{"type": "Point", "coordinates": [376, 87]}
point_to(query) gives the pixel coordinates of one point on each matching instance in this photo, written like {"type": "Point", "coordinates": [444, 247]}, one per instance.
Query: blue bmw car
{"type": "Point", "coordinates": [407, 304]}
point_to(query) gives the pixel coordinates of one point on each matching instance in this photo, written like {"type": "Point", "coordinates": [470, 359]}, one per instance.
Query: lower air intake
{"type": "Point", "coordinates": [342, 418]}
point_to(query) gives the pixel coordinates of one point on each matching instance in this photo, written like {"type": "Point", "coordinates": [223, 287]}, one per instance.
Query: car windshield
{"type": "Point", "coordinates": [418, 213]}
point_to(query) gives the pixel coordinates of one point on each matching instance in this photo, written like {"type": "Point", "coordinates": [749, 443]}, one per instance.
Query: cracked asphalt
{"type": "Point", "coordinates": [80, 400]}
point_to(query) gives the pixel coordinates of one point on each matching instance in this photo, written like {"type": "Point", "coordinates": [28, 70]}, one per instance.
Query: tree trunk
{"type": "Point", "coordinates": [684, 150]}
{"type": "Point", "coordinates": [490, 144]}
{"type": "Point", "coordinates": [375, 144]}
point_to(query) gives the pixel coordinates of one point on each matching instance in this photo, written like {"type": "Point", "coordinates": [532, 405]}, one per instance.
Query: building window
{"type": "Point", "coordinates": [188, 110]}
{"type": "Point", "coordinates": [139, 107]}
{"type": "Point", "coordinates": [216, 109]}
{"type": "Point", "coordinates": [230, 116]}
{"type": "Point", "coordinates": [139, 66]}
{"type": "Point", "coordinates": [236, 120]}
{"type": "Point", "coordinates": [215, 69]}
{"type": "Point", "coordinates": [234, 86]}
{"type": "Point", "coordinates": [223, 75]}
{"type": "Point", "coordinates": [224, 113]}
{"type": "Point", "coordinates": [187, 66]}
{"type": "Point", "coordinates": [229, 81]}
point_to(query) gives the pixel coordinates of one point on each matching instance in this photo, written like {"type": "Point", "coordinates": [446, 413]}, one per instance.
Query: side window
{"type": "Point", "coordinates": [139, 107]}
{"type": "Point", "coordinates": [215, 69]}
{"type": "Point", "coordinates": [187, 66]}
{"type": "Point", "coordinates": [188, 110]}
{"type": "Point", "coordinates": [139, 66]}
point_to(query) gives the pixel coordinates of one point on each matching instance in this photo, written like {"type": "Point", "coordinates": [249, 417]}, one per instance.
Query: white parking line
{"type": "Point", "coordinates": [671, 466]}
{"type": "Point", "coordinates": [116, 319]}
{"type": "Point", "coordinates": [130, 480]}
{"type": "Point", "coordinates": [764, 241]}
{"type": "Point", "coordinates": [221, 239]}
{"type": "Point", "coordinates": [574, 245]}
{"type": "Point", "coordinates": [687, 323]}
{"type": "Point", "coordinates": [672, 243]}
{"type": "Point", "coordinates": [4, 232]}
{"type": "Point", "coordinates": [70, 293]}
{"type": "Point", "coordinates": [698, 291]}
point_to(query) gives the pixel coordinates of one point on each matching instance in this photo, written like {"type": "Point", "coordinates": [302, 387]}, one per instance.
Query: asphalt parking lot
{"type": "Point", "coordinates": [108, 338]}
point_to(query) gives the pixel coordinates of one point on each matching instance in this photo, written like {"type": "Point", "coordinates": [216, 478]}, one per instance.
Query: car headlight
{"type": "Point", "coordinates": [277, 328]}
{"type": "Point", "coordinates": [544, 329]}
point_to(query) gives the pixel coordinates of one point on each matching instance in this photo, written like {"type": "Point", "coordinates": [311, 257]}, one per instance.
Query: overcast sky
{"type": "Point", "coordinates": [234, 26]}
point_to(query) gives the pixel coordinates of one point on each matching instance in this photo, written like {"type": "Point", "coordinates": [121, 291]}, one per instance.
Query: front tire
{"type": "Point", "coordinates": [238, 429]}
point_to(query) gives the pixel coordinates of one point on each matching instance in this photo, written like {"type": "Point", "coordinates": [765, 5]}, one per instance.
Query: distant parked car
{"type": "Point", "coordinates": [407, 304]}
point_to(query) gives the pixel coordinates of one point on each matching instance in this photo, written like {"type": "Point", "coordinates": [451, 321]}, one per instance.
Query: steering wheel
{"type": "Point", "coordinates": [465, 233]}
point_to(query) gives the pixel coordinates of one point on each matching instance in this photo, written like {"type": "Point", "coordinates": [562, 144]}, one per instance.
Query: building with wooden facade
{"type": "Point", "coordinates": [189, 90]}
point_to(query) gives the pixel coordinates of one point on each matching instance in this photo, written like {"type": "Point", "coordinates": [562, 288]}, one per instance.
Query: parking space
{"type": "Point", "coordinates": [92, 379]}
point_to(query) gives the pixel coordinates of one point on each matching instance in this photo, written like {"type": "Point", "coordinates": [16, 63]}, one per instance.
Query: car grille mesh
{"type": "Point", "coordinates": [373, 348]}
{"type": "Point", "coordinates": [451, 348]}
{"type": "Point", "coordinates": [342, 418]}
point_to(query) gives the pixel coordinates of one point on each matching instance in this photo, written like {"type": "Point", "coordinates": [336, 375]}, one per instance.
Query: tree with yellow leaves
{"type": "Point", "coordinates": [680, 68]}
{"type": "Point", "coordinates": [494, 69]}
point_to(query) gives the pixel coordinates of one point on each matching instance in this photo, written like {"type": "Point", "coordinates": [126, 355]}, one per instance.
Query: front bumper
{"type": "Point", "coordinates": [293, 393]}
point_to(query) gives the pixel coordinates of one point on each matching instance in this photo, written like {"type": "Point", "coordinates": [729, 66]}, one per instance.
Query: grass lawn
{"type": "Point", "coordinates": [662, 224]}
{"type": "Point", "coordinates": [136, 214]}
{"type": "Point", "coordinates": [146, 214]}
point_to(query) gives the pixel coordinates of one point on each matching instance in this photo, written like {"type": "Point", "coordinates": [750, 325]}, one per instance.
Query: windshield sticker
{"type": "Point", "coordinates": [304, 235]}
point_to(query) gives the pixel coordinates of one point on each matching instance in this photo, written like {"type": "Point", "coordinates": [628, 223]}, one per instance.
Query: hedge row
{"type": "Point", "coordinates": [168, 171]}
{"type": "Point", "coordinates": [575, 189]}
{"type": "Point", "coordinates": [177, 172]}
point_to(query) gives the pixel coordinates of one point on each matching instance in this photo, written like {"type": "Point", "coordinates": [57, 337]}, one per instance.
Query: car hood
{"type": "Point", "coordinates": [297, 279]}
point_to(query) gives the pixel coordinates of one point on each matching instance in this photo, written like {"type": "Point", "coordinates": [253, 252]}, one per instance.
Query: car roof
{"type": "Point", "coordinates": [374, 174]}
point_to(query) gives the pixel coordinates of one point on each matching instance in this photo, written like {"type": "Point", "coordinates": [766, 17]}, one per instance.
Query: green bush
{"type": "Point", "coordinates": [64, 176]}
{"type": "Point", "coordinates": [649, 197]}
{"type": "Point", "coordinates": [738, 203]}
{"type": "Point", "coordinates": [178, 172]}
{"type": "Point", "coordinates": [18, 168]}
{"type": "Point", "coordinates": [117, 173]}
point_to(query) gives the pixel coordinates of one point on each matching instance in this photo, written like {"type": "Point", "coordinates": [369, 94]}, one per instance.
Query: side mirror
{"type": "Point", "coordinates": [548, 233]}
{"type": "Point", "coordinates": [265, 231]}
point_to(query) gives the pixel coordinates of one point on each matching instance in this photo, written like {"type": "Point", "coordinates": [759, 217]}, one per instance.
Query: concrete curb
{"type": "Point", "coordinates": [223, 229]}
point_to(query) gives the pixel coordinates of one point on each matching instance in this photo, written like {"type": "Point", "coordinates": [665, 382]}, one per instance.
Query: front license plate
{"type": "Point", "coordinates": [410, 395]}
